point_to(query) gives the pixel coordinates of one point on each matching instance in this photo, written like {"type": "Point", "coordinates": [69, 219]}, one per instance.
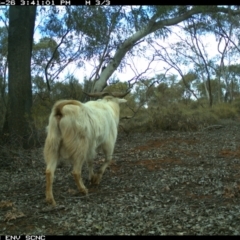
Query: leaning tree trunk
{"type": "Point", "coordinates": [153, 25]}
{"type": "Point", "coordinates": [20, 39]}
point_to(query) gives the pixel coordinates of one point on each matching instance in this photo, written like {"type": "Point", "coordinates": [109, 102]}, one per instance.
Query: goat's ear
{"type": "Point", "coordinates": [122, 100]}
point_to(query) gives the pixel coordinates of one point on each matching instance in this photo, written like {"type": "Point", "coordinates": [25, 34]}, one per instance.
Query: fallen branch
{"type": "Point", "coordinates": [213, 127]}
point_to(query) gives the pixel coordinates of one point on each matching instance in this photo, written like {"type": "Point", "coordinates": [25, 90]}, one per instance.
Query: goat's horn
{"type": "Point", "coordinates": [103, 94]}
{"type": "Point", "coordinates": [97, 94]}
{"type": "Point", "coordinates": [119, 95]}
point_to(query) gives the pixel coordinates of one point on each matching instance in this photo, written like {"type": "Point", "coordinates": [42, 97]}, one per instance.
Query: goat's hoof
{"type": "Point", "coordinates": [95, 179]}
{"type": "Point", "coordinates": [84, 191]}
{"type": "Point", "coordinates": [51, 201]}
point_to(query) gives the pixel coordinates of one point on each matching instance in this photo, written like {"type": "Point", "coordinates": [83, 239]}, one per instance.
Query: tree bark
{"type": "Point", "coordinates": [20, 39]}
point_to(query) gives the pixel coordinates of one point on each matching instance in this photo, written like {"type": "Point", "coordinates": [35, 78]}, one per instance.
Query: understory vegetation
{"type": "Point", "coordinates": [142, 113]}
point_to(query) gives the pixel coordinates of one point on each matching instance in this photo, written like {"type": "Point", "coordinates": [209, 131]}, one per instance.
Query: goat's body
{"type": "Point", "coordinates": [75, 131]}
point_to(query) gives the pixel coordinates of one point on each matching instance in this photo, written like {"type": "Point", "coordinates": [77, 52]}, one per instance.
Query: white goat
{"type": "Point", "coordinates": [75, 131]}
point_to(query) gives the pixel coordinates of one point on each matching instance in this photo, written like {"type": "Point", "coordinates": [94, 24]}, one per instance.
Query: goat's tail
{"type": "Point", "coordinates": [63, 125]}
{"type": "Point", "coordinates": [59, 112]}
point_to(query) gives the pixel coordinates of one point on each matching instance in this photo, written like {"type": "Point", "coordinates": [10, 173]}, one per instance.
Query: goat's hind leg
{"type": "Point", "coordinates": [51, 161]}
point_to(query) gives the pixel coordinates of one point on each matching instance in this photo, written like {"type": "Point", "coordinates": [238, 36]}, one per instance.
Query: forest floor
{"type": "Point", "coordinates": [160, 183]}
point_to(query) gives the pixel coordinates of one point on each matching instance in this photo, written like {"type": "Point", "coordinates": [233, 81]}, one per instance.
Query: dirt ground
{"type": "Point", "coordinates": [160, 183]}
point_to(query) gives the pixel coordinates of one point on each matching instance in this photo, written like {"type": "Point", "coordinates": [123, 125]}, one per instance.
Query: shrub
{"type": "Point", "coordinates": [175, 116]}
{"type": "Point", "coordinates": [225, 111]}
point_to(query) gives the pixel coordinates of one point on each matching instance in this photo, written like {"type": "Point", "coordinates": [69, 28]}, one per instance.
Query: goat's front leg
{"type": "Point", "coordinates": [90, 169]}
{"type": "Point", "coordinates": [108, 151]}
{"type": "Point", "coordinates": [77, 174]}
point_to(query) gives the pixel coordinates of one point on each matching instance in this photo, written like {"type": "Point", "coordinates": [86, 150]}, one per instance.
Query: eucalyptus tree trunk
{"type": "Point", "coordinates": [20, 39]}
